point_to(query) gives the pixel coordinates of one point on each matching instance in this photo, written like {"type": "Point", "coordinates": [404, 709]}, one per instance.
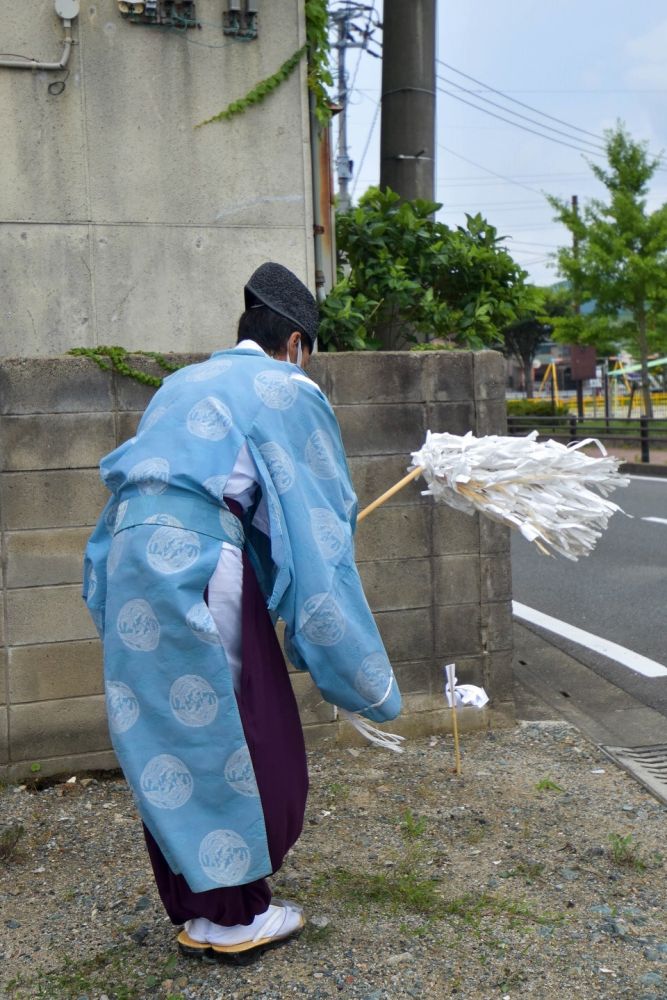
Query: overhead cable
{"type": "Point", "coordinates": [524, 128]}
{"type": "Point", "coordinates": [529, 107]}
{"type": "Point", "coordinates": [517, 114]}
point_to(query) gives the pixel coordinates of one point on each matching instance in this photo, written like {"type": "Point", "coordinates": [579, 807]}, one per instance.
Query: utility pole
{"type": "Point", "coordinates": [343, 161]}
{"type": "Point", "coordinates": [407, 143]}
{"type": "Point", "coordinates": [348, 36]}
{"type": "Point", "coordinates": [577, 306]}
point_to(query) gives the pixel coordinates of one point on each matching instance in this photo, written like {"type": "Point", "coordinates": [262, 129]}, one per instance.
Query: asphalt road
{"type": "Point", "coordinates": [618, 593]}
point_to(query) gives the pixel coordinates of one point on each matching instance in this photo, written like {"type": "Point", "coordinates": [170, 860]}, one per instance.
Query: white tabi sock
{"type": "Point", "coordinates": [206, 932]}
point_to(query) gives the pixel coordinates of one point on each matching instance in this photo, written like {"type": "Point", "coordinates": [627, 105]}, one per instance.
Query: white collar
{"type": "Point", "coordinates": [249, 345]}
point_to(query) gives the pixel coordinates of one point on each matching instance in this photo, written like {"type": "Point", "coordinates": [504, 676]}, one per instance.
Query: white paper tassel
{"type": "Point", "coordinates": [390, 741]}
{"type": "Point", "coordinates": [539, 487]}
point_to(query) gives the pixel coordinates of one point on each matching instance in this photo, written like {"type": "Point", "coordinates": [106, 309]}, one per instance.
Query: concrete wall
{"type": "Point", "coordinates": [438, 580]}
{"type": "Point", "coordinates": [120, 223]}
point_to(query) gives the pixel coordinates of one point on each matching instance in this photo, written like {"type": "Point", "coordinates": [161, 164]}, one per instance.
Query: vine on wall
{"type": "Point", "coordinates": [113, 358]}
{"type": "Point", "coordinates": [319, 75]}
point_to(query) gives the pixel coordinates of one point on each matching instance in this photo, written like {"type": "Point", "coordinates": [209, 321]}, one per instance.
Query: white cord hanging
{"type": "Point", "coordinates": [390, 741]}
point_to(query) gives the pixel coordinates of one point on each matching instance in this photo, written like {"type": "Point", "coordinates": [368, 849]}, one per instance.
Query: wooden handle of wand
{"type": "Point", "coordinates": [413, 474]}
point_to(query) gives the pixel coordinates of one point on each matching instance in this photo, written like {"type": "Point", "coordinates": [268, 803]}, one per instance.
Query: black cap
{"type": "Point", "coordinates": [275, 286]}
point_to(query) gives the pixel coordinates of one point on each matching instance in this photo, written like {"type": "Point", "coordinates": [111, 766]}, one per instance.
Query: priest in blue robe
{"type": "Point", "coordinates": [231, 507]}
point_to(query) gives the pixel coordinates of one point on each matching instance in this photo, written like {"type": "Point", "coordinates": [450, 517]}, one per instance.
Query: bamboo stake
{"type": "Point", "coordinates": [413, 474]}
{"type": "Point", "coordinates": [449, 668]}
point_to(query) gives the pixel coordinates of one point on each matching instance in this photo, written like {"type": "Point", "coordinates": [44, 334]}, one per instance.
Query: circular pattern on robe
{"type": "Point", "coordinates": [200, 621]}
{"type": "Point", "coordinates": [239, 773]}
{"type": "Point", "coordinates": [215, 485]}
{"type": "Point", "coordinates": [166, 782]}
{"type": "Point", "coordinates": [233, 527]}
{"type": "Point", "coordinates": [151, 418]}
{"type": "Point", "coordinates": [165, 519]}
{"type": "Point", "coordinates": [210, 419]}
{"type": "Point", "coordinates": [172, 550]}
{"type": "Point", "coordinates": [279, 464]}
{"type": "Point", "coordinates": [373, 678]}
{"type": "Point", "coordinates": [122, 706]}
{"type": "Point", "coordinates": [320, 455]}
{"type": "Point", "coordinates": [322, 621]}
{"type": "Point", "coordinates": [151, 476]}
{"type": "Point", "coordinates": [208, 370]}
{"type": "Point", "coordinates": [276, 390]}
{"type": "Point", "coordinates": [193, 701]}
{"type": "Point", "coordinates": [137, 626]}
{"type": "Point", "coordinates": [121, 511]}
{"type": "Point", "coordinates": [92, 584]}
{"type": "Point", "coordinates": [224, 856]}
{"type": "Point", "coordinates": [328, 531]}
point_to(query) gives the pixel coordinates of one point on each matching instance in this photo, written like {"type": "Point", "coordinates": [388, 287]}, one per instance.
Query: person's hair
{"type": "Point", "coordinates": [268, 329]}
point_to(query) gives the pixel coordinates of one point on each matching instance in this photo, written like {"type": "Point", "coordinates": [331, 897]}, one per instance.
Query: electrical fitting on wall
{"type": "Point", "coordinates": [240, 19]}
{"type": "Point", "coordinates": [164, 13]}
{"type": "Point", "coordinates": [67, 11]}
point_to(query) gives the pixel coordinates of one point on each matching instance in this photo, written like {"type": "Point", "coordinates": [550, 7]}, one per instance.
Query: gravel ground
{"type": "Point", "coordinates": [537, 873]}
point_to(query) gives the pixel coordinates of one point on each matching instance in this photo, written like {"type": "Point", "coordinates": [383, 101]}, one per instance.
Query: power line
{"type": "Point", "coordinates": [525, 128]}
{"type": "Point", "coordinates": [518, 114]}
{"type": "Point", "coordinates": [368, 142]}
{"type": "Point", "coordinates": [479, 166]}
{"type": "Point", "coordinates": [529, 107]}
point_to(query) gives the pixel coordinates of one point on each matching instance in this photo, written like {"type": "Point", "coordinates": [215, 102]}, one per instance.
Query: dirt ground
{"type": "Point", "coordinates": [538, 873]}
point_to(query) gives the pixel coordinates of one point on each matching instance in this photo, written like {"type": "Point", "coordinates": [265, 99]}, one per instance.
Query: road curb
{"type": "Point", "coordinates": [642, 469]}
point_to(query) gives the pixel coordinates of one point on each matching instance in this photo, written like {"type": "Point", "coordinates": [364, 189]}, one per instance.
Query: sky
{"type": "Point", "coordinates": [586, 62]}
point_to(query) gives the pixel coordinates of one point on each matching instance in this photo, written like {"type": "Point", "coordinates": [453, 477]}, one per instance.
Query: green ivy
{"type": "Point", "coordinates": [319, 75]}
{"type": "Point", "coordinates": [317, 40]}
{"type": "Point", "coordinates": [258, 93]}
{"type": "Point", "coordinates": [114, 358]}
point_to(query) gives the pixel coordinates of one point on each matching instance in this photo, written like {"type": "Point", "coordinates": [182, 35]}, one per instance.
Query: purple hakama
{"type": "Point", "coordinates": [273, 732]}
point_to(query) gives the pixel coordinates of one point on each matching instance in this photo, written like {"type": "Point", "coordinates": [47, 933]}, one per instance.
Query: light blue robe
{"type": "Point", "coordinates": [170, 699]}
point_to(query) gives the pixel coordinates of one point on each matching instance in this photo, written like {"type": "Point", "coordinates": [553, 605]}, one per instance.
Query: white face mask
{"type": "Point", "coordinates": [299, 354]}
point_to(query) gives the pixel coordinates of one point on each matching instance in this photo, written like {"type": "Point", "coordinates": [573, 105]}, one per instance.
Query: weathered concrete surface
{"type": "Point", "coordinates": [437, 579]}
{"type": "Point", "coordinates": [122, 222]}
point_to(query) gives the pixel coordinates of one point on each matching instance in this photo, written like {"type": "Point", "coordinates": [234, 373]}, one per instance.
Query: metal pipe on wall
{"type": "Point", "coordinates": [66, 10]}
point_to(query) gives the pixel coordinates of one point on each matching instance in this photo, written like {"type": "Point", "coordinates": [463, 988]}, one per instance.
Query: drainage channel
{"type": "Point", "coordinates": [648, 765]}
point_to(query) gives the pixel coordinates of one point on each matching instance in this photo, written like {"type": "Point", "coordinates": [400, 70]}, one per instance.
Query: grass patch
{"type": "Point", "coordinates": [412, 826]}
{"type": "Point", "coordinates": [397, 892]}
{"type": "Point", "coordinates": [402, 893]}
{"type": "Point", "coordinates": [547, 785]}
{"type": "Point", "coordinates": [624, 852]}
{"type": "Point", "coordinates": [111, 971]}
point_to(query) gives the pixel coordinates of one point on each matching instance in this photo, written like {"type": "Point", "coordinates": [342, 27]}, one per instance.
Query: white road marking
{"type": "Point", "coordinates": [626, 657]}
{"type": "Point", "coordinates": [658, 520]}
{"type": "Point", "coordinates": [650, 479]}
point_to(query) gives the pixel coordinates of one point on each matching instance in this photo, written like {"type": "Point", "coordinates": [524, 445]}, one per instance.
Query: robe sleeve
{"type": "Point", "coordinates": [94, 589]}
{"type": "Point", "coordinates": [330, 629]}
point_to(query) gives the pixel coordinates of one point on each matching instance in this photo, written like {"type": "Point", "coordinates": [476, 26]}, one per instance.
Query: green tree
{"type": "Point", "coordinates": [405, 278]}
{"type": "Point", "coordinates": [619, 252]}
{"type": "Point", "coordinates": [523, 338]}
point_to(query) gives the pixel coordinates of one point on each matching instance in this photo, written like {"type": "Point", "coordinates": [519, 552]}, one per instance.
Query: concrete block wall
{"type": "Point", "coordinates": [438, 580]}
{"type": "Point", "coordinates": [122, 223]}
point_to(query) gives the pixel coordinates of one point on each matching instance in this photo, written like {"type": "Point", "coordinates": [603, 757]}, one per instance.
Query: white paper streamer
{"type": "Point", "coordinates": [465, 694]}
{"type": "Point", "coordinates": [390, 741]}
{"type": "Point", "coordinates": [539, 487]}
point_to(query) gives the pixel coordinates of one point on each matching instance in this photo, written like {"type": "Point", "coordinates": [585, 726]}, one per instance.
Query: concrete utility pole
{"type": "Point", "coordinates": [348, 36]}
{"type": "Point", "coordinates": [407, 143]}
{"type": "Point", "coordinates": [343, 161]}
